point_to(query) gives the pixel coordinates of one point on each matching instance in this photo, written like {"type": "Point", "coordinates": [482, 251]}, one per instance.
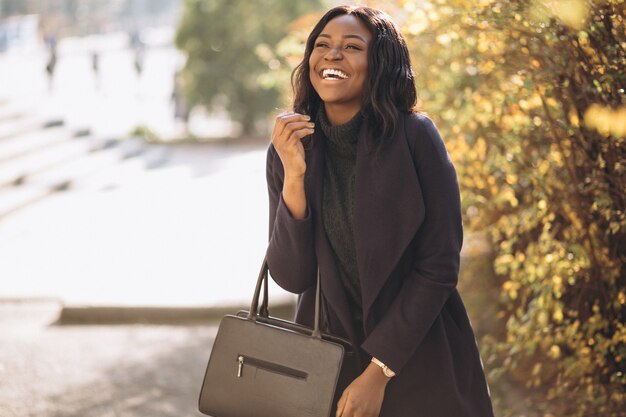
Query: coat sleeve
{"type": "Point", "coordinates": [291, 250]}
{"type": "Point", "coordinates": [434, 274]}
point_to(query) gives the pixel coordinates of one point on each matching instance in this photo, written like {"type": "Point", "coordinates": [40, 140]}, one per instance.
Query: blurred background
{"type": "Point", "coordinates": [133, 203]}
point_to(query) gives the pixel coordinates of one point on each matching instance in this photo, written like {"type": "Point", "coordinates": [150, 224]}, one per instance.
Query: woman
{"type": "Point", "coordinates": [372, 199]}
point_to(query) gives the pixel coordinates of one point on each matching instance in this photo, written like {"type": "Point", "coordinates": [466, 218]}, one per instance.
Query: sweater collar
{"type": "Point", "coordinates": [344, 137]}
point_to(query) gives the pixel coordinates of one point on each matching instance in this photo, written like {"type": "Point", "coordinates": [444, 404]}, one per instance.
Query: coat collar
{"type": "Point", "coordinates": [389, 209]}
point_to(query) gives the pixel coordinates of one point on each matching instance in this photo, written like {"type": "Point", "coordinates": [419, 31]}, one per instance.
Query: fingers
{"type": "Point", "coordinates": [289, 117]}
{"type": "Point", "coordinates": [341, 404]}
{"type": "Point", "coordinates": [298, 131]}
{"type": "Point", "coordinates": [289, 126]}
{"type": "Point", "coordinates": [289, 129]}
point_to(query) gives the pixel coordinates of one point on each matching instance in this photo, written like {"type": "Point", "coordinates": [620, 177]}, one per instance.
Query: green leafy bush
{"type": "Point", "coordinates": [530, 98]}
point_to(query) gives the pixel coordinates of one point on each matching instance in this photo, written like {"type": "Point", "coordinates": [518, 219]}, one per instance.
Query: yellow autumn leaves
{"type": "Point", "coordinates": [522, 92]}
{"type": "Point", "coordinates": [606, 120]}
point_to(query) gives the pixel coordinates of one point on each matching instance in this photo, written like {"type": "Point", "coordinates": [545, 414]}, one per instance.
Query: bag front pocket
{"type": "Point", "coordinates": [245, 360]}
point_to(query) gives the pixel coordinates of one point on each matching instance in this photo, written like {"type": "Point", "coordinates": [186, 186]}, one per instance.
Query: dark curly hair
{"type": "Point", "coordinates": [390, 85]}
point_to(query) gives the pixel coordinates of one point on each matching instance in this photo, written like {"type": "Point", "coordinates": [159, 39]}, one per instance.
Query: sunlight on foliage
{"type": "Point", "coordinates": [573, 13]}
{"type": "Point", "coordinates": [606, 121]}
{"type": "Point", "coordinates": [529, 96]}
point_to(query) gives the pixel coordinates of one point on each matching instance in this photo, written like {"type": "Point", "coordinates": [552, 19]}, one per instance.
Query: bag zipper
{"type": "Point", "coordinates": [268, 366]}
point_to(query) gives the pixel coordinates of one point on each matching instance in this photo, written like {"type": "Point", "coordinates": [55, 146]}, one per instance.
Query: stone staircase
{"type": "Point", "coordinates": [43, 156]}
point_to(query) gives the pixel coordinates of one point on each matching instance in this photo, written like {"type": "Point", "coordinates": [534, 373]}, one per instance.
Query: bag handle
{"type": "Point", "coordinates": [263, 280]}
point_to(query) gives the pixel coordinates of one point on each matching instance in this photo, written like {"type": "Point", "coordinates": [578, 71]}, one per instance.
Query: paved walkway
{"type": "Point", "coordinates": [98, 371]}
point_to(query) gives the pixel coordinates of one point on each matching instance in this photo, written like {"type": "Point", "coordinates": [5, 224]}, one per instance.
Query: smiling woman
{"type": "Point", "coordinates": [338, 66]}
{"type": "Point", "coordinates": [373, 203]}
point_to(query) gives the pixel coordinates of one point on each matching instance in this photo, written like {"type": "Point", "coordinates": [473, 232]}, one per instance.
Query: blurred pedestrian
{"type": "Point", "coordinates": [95, 67]}
{"type": "Point", "coordinates": [181, 109]}
{"type": "Point", "coordinates": [51, 62]}
{"type": "Point", "coordinates": [139, 48]}
{"type": "Point", "coordinates": [138, 59]}
{"type": "Point", "coordinates": [362, 187]}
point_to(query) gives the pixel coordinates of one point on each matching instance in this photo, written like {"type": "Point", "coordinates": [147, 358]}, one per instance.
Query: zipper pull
{"type": "Point", "coordinates": [240, 360]}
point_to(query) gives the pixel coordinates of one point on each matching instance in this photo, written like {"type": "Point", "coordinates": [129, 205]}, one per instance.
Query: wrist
{"type": "Point", "coordinates": [294, 177]}
{"type": "Point", "coordinates": [295, 197]}
{"type": "Point", "coordinates": [376, 374]}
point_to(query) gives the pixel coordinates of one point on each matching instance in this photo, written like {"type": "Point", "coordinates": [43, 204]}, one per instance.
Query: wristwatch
{"type": "Point", "coordinates": [388, 372]}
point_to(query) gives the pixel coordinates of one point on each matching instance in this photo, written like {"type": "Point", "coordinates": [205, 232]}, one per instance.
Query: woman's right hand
{"type": "Point", "coordinates": [289, 129]}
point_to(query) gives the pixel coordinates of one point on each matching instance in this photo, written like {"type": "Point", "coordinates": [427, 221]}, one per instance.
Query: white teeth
{"type": "Point", "coordinates": [333, 74]}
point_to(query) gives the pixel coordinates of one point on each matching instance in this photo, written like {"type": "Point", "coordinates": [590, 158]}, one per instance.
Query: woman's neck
{"type": "Point", "coordinates": [339, 114]}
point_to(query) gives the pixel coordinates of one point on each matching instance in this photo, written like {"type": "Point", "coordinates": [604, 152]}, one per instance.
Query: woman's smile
{"type": "Point", "coordinates": [333, 74]}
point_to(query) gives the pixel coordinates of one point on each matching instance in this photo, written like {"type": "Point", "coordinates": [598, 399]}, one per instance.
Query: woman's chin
{"type": "Point", "coordinates": [333, 99]}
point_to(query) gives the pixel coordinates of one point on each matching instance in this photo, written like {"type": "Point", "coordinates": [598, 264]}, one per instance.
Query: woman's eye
{"type": "Point", "coordinates": [353, 47]}
{"type": "Point", "coordinates": [321, 44]}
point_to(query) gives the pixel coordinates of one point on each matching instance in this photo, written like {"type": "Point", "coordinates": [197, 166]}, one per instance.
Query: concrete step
{"type": "Point", "coordinates": [98, 315]}
{"type": "Point", "coordinates": [101, 156]}
{"type": "Point", "coordinates": [14, 199]}
{"type": "Point", "coordinates": [11, 116]}
{"type": "Point", "coordinates": [108, 155]}
{"type": "Point", "coordinates": [78, 163]}
{"type": "Point", "coordinates": [32, 141]}
{"type": "Point", "coordinates": [12, 110]}
{"type": "Point", "coordinates": [19, 169]}
{"type": "Point", "coordinates": [24, 124]}
{"type": "Point", "coordinates": [137, 162]}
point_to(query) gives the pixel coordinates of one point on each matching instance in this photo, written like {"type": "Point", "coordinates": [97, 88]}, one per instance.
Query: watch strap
{"type": "Point", "coordinates": [386, 370]}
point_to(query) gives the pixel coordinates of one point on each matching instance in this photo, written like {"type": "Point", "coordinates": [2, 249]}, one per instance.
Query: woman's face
{"type": "Point", "coordinates": [338, 62]}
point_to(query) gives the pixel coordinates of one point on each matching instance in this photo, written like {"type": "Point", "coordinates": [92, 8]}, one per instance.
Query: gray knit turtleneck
{"type": "Point", "coordinates": [338, 204]}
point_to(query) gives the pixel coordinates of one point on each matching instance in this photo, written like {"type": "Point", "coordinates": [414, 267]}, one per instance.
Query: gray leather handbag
{"type": "Point", "coordinates": [263, 366]}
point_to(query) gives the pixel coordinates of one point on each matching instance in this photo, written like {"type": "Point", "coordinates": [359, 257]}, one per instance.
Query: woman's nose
{"type": "Point", "coordinates": [333, 54]}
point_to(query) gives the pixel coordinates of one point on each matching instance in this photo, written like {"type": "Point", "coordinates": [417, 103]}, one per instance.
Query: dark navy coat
{"type": "Point", "coordinates": [408, 235]}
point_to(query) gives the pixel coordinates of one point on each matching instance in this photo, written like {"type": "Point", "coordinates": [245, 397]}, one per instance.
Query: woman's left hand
{"type": "Point", "coordinates": [364, 396]}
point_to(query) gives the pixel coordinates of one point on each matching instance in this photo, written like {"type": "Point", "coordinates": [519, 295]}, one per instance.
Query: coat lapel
{"type": "Point", "coordinates": [389, 209]}
{"type": "Point", "coordinates": [388, 212]}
